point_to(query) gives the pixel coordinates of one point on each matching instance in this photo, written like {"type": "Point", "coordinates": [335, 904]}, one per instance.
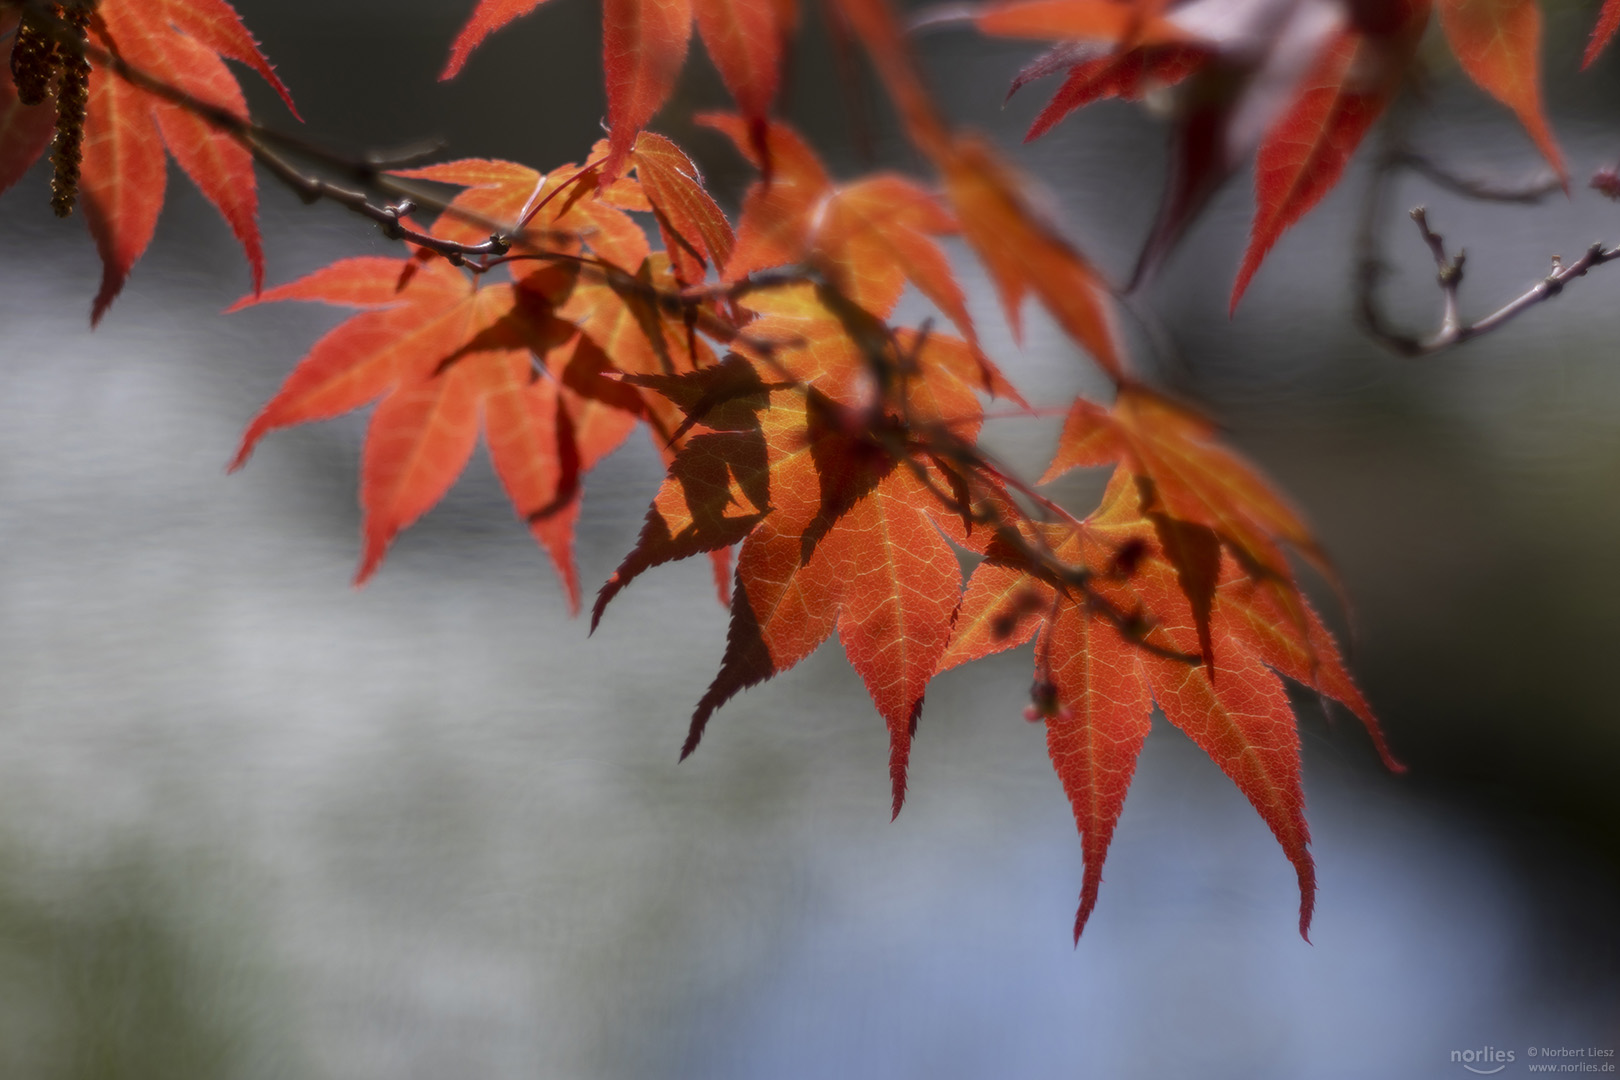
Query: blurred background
{"type": "Point", "coordinates": [254, 823]}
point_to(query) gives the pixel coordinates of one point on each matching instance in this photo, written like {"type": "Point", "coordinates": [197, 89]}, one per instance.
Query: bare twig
{"type": "Point", "coordinates": [1449, 275]}
{"type": "Point", "coordinates": [1527, 192]}
{"type": "Point", "coordinates": [390, 217]}
{"type": "Point", "coordinates": [1452, 331]}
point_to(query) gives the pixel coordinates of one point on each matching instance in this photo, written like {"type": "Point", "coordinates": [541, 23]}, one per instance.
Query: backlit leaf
{"type": "Point", "coordinates": [1112, 639]}
{"type": "Point", "coordinates": [488, 17]}
{"type": "Point", "coordinates": [1305, 152]}
{"type": "Point", "coordinates": [839, 514]}
{"type": "Point", "coordinates": [1114, 21]}
{"type": "Point", "coordinates": [447, 355]}
{"type": "Point", "coordinates": [1024, 254]}
{"type": "Point", "coordinates": [1608, 22]}
{"type": "Point", "coordinates": [182, 43]}
{"type": "Point", "coordinates": [644, 45]}
{"type": "Point", "coordinates": [868, 238]}
{"type": "Point", "coordinates": [1498, 42]}
{"type": "Point", "coordinates": [695, 230]}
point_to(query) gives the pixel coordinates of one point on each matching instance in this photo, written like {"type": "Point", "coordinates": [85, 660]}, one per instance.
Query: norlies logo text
{"type": "Point", "coordinates": [1485, 1056]}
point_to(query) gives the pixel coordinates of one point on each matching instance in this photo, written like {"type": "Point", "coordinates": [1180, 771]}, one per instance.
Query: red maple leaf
{"type": "Point", "coordinates": [1249, 73]}
{"type": "Point", "coordinates": [618, 314]}
{"type": "Point", "coordinates": [695, 230]}
{"type": "Point", "coordinates": [1608, 22]}
{"type": "Point", "coordinates": [184, 44]}
{"type": "Point", "coordinates": [1498, 43]}
{"type": "Point", "coordinates": [1304, 153]}
{"type": "Point", "coordinates": [546, 212]}
{"type": "Point", "coordinates": [1196, 478]}
{"type": "Point", "coordinates": [1095, 72]}
{"type": "Point", "coordinates": [644, 46]}
{"type": "Point", "coordinates": [563, 208]}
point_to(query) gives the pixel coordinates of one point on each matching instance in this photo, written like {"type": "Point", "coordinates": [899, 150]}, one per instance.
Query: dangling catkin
{"type": "Point", "coordinates": [34, 59]}
{"type": "Point", "coordinates": [71, 96]}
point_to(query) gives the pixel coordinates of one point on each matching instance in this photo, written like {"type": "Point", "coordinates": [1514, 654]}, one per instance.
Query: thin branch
{"type": "Point", "coordinates": [1528, 192]}
{"type": "Point", "coordinates": [391, 217]}
{"type": "Point", "coordinates": [274, 150]}
{"type": "Point", "coordinates": [1453, 331]}
{"type": "Point", "coordinates": [1371, 267]}
{"type": "Point", "coordinates": [270, 148]}
{"type": "Point", "coordinates": [1449, 275]}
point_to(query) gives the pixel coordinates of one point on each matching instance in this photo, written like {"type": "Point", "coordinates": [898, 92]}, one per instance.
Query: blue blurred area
{"type": "Point", "coordinates": [256, 824]}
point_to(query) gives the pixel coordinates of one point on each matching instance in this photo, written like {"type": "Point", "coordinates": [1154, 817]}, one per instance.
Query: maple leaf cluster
{"type": "Point", "coordinates": [129, 132]}
{"type": "Point", "coordinates": [825, 460]}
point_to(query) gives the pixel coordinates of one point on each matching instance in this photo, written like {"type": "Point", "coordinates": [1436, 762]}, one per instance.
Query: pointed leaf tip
{"type": "Point", "coordinates": [1498, 43]}
{"type": "Point", "coordinates": [243, 452]}
{"type": "Point", "coordinates": [700, 722]}
{"type": "Point", "coordinates": [1608, 22]}
{"type": "Point", "coordinates": [1303, 155]}
{"type": "Point", "coordinates": [900, 759]}
{"type": "Point", "coordinates": [488, 17]}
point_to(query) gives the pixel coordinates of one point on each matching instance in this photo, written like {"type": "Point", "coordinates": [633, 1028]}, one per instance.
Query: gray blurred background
{"type": "Point", "coordinates": [256, 824]}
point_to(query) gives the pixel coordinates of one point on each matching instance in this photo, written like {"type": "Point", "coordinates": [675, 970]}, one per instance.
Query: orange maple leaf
{"type": "Point", "coordinates": [695, 230]}
{"type": "Point", "coordinates": [447, 354]}
{"type": "Point", "coordinates": [1498, 43]}
{"type": "Point", "coordinates": [1117, 633]}
{"type": "Point", "coordinates": [792, 330]}
{"type": "Point", "coordinates": [1026, 254]}
{"type": "Point", "coordinates": [867, 238]}
{"type": "Point", "coordinates": [440, 348]}
{"type": "Point", "coordinates": [1022, 250]}
{"type": "Point", "coordinates": [566, 207]}
{"type": "Point", "coordinates": [568, 212]}
{"type": "Point", "coordinates": [184, 44]}
{"type": "Point", "coordinates": [618, 311]}
{"type": "Point", "coordinates": [645, 339]}
{"type": "Point", "coordinates": [574, 203]}
{"type": "Point", "coordinates": [818, 460]}
{"type": "Point", "coordinates": [1199, 495]}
